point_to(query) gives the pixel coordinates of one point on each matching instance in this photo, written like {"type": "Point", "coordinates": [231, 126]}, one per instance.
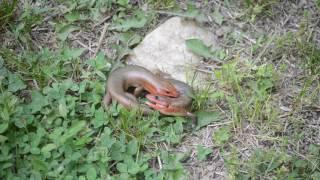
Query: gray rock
{"type": "Point", "coordinates": [165, 49]}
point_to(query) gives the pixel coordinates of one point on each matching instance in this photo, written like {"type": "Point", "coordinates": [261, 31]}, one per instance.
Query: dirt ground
{"type": "Point", "coordinates": [285, 17]}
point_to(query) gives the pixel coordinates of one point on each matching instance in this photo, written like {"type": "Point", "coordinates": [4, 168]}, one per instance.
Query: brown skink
{"type": "Point", "coordinates": [136, 76]}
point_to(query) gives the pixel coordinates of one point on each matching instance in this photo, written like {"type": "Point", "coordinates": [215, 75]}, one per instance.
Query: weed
{"type": "Point", "coordinates": [203, 152]}
{"type": "Point", "coordinates": [318, 4]}
{"type": "Point", "coordinates": [257, 8]}
{"type": "Point", "coordinates": [7, 9]}
{"type": "Point", "coordinates": [310, 53]}
{"type": "Point", "coordinates": [200, 98]}
{"type": "Point", "coordinates": [162, 5]}
{"type": "Point", "coordinates": [264, 163]}
{"type": "Point", "coordinates": [251, 88]}
{"type": "Point", "coordinates": [302, 45]}
{"type": "Point", "coordinates": [222, 135]}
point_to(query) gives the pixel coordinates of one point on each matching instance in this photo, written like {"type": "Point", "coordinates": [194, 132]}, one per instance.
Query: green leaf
{"type": "Point", "coordinates": [314, 149]}
{"type": "Point", "coordinates": [69, 54]}
{"type": "Point", "coordinates": [34, 150]}
{"type": "Point", "coordinates": [63, 110]}
{"type": "Point", "coordinates": [4, 114]}
{"type": "Point", "coordinates": [117, 151]}
{"type": "Point", "coordinates": [101, 74]}
{"type": "Point", "coordinates": [123, 3]}
{"type": "Point", "coordinates": [171, 135]}
{"type": "Point", "coordinates": [301, 163]}
{"type": "Point", "coordinates": [124, 176]}
{"type": "Point", "coordinates": [123, 168]}
{"type": "Point", "coordinates": [203, 152]}
{"type": "Point", "coordinates": [82, 86]}
{"type": "Point", "coordinates": [132, 147]}
{"type": "Point", "coordinates": [129, 38]}
{"type": "Point", "coordinates": [91, 173]}
{"type": "Point", "coordinates": [15, 83]}
{"type": "Point", "coordinates": [222, 135]}
{"type": "Point", "coordinates": [198, 47]}
{"type": "Point", "coordinates": [3, 138]}
{"type": "Point", "coordinates": [3, 127]}
{"type": "Point", "coordinates": [99, 62]}
{"type": "Point", "coordinates": [38, 101]}
{"type": "Point", "coordinates": [315, 175]}
{"type": "Point", "coordinates": [133, 168]}
{"type": "Point", "coordinates": [99, 118]}
{"type": "Point", "coordinates": [106, 139]}
{"type": "Point", "coordinates": [73, 16]}
{"type": "Point", "coordinates": [76, 127]}
{"type": "Point", "coordinates": [48, 148]}
{"type": "Point", "coordinates": [20, 123]}
{"type": "Point", "coordinates": [217, 17]}
{"type": "Point", "coordinates": [191, 13]}
{"type": "Point", "coordinates": [139, 20]}
{"type": "Point", "coordinates": [39, 164]}
{"type": "Point", "coordinates": [64, 31]}
{"type": "Point", "coordinates": [205, 118]}
{"type": "Point", "coordinates": [171, 163]}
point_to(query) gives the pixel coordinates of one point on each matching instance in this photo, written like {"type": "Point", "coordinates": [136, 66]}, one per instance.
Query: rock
{"type": "Point", "coordinates": [165, 49]}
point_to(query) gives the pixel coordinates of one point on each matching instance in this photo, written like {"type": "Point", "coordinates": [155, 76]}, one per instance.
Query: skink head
{"type": "Point", "coordinates": [165, 88]}
{"type": "Point", "coordinates": [163, 105]}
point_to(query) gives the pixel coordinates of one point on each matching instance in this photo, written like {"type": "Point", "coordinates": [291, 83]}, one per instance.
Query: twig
{"type": "Point", "coordinates": [202, 70]}
{"type": "Point", "coordinates": [101, 38]}
{"type": "Point", "coordinates": [85, 46]}
{"type": "Point", "coordinates": [247, 37]}
{"type": "Point", "coordinates": [35, 83]}
{"type": "Point", "coordinates": [74, 37]}
{"type": "Point", "coordinates": [219, 124]}
{"type": "Point", "coordinates": [159, 162]}
{"type": "Point", "coordinates": [102, 21]}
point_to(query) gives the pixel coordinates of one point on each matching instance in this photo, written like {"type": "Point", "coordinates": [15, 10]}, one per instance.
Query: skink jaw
{"type": "Point", "coordinates": [164, 89]}
{"type": "Point", "coordinates": [164, 107]}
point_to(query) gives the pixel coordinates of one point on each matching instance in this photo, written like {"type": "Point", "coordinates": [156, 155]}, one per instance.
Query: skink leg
{"type": "Point", "coordinates": [106, 100]}
{"type": "Point", "coordinates": [131, 97]}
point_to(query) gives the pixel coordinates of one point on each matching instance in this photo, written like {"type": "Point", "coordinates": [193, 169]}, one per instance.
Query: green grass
{"type": "Point", "coordinates": [258, 8]}
{"type": "Point", "coordinates": [162, 5]}
{"type": "Point", "coordinates": [52, 131]}
{"type": "Point", "coordinates": [251, 88]}
{"type": "Point", "coordinates": [264, 164]}
{"type": "Point", "coordinates": [7, 9]}
{"type": "Point", "coordinates": [52, 123]}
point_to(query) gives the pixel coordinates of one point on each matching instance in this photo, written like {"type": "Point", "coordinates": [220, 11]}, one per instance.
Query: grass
{"type": "Point", "coordinates": [7, 9]}
{"type": "Point", "coordinates": [256, 8]}
{"type": "Point", "coordinates": [251, 88]}
{"type": "Point", "coordinates": [257, 118]}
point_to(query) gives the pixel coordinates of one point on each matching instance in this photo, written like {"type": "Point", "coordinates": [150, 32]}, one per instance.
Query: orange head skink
{"type": "Point", "coordinates": [136, 76]}
{"type": "Point", "coordinates": [180, 106]}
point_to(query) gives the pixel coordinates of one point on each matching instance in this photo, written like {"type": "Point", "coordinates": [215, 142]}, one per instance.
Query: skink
{"type": "Point", "coordinates": [136, 76]}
